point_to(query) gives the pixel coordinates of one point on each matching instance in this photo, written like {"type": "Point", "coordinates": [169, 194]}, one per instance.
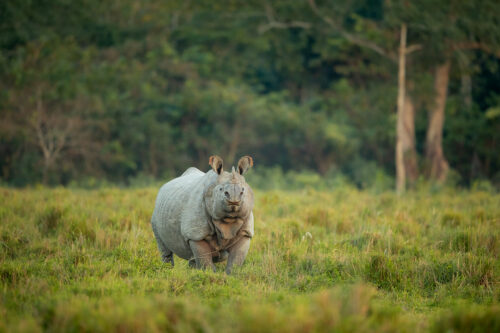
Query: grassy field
{"type": "Point", "coordinates": [347, 260]}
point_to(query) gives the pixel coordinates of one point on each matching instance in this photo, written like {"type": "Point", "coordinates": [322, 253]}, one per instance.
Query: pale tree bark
{"type": "Point", "coordinates": [437, 166]}
{"type": "Point", "coordinates": [400, 168]}
{"type": "Point", "coordinates": [436, 162]}
{"type": "Point", "coordinates": [406, 155]}
{"type": "Point", "coordinates": [408, 139]}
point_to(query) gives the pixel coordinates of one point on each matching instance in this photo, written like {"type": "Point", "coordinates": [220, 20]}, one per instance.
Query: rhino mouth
{"type": "Point", "coordinates": [233, 203]}
{"type": "Point", "coordinates": [232, 211]}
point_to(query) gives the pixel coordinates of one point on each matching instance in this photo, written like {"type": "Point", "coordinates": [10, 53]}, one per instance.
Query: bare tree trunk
{"type": "Point", "coordinates": [400, 165]}
{"type": "Point", "coordinates": [408, 139]}
{"type": "Point", "coordinates": [437, 164]}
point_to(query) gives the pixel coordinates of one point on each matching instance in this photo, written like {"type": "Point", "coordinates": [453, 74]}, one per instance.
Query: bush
{"type": "Point", "coordinates": [473, 319]}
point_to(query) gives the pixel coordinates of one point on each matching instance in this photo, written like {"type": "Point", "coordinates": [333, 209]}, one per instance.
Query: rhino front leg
{"type": "Point", "coordinates": [238, 253]}
{"type": "Point", "coordinates": [202, 253]}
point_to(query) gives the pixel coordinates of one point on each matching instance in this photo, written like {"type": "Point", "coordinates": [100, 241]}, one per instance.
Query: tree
{"type": "Point", "coordinates": [438, 166]}
{"type": "Point", "coordinates": [406, 156]}
{"type": "Point", "coordinates": [447, 29]}
{"type": "Point", "coordinates": [405, 151]}
{"type": "Point", "coordinates": [49, 115]}
{"type": "Point", "coordinates": [137, 90]}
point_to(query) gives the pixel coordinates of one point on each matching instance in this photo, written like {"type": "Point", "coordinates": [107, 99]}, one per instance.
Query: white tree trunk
{"type": "Point", "coordinates": [400, 166]}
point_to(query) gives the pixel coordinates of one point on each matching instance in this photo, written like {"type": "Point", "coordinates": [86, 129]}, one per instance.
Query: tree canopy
{"type": "Point", "coordinates": [122, 89]}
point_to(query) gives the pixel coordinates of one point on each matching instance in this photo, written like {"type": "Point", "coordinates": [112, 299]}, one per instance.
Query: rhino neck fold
{"type": "Point", "coordinates": [227, 230]}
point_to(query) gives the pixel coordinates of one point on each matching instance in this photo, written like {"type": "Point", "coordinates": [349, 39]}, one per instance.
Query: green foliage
{"type": "Point", "coordinates": [337, 260]}
{"type": "Point", "coordinates": [136, 91]}
{"type": "Point", "coordinates": [475, 319]}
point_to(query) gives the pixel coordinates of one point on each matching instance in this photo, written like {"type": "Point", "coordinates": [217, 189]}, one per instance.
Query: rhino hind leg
{"type": "Point", "coordinates": [167, 256]}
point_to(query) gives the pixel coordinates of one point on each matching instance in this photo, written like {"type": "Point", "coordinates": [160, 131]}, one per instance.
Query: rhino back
{"type": "Point", "coordinates": [180, 214]}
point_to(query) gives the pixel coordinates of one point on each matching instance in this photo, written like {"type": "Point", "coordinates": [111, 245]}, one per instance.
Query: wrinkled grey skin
{"type": "Point", "coordinates": [205, 217]}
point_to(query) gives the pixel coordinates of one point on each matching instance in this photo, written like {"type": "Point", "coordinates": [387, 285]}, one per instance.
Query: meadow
{"type": "Point", "coordinates": [341, 260]}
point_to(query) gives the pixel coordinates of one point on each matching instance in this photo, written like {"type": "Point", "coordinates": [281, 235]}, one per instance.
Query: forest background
{"type": "Point", "coordinates": [319, 92]}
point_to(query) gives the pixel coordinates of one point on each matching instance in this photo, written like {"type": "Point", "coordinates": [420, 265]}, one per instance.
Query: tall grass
{"type": "Point", "coordinates": [343, 260]}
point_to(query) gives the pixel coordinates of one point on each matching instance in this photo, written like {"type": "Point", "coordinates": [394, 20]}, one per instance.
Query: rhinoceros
{"type": "Point", "coordinates": [206, 217]}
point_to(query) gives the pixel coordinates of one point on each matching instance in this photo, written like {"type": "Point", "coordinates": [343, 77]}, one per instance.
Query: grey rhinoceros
{"type": "Point", "coordinates": [206, 217]}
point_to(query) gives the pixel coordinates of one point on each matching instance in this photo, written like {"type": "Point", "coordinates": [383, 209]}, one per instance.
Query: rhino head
{"type": "Point", "coordinates": [230, 197]}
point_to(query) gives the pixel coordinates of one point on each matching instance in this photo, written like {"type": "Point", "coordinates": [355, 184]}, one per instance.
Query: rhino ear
{"type": "Point", "coordinates": [216, 163]}
{"type": "Point", "coordinates": [245, 163]}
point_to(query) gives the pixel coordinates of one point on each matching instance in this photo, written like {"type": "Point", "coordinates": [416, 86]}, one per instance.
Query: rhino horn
{"type": "Point", "coordinates": [233, 173]}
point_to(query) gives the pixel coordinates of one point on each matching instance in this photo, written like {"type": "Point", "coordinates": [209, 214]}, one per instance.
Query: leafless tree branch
{"type": "Point", "coordinates": [273, 24]}
{"type": "Point", "coordinates": [475, 46]}
{"type": "Point", "coordinates": [349, 36]}
{"type": "Point", "coordinates": [413, 48]}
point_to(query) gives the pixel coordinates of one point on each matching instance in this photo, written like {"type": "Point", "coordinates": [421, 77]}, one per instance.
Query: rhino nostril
{"type": "Point", "coordinates": [226, 194]}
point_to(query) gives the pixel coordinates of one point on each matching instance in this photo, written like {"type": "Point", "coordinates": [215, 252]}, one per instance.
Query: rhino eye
{"type": "Point", "coordinates": [220, 188]}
